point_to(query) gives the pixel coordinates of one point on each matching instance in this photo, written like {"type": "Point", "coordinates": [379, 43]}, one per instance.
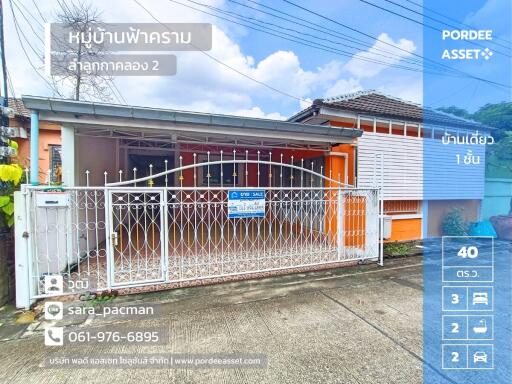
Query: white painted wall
{"type": "Point", "coordinates": [68, 155]}
{"type": "Point", "coordinates": [419, 169]}
{"type": "Point", "coordinates": [445, 179]}
{"type": "Point", "coordinates": [403, 165]}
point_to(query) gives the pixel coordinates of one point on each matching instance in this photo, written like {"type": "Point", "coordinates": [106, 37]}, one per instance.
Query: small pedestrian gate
{"type": "Point", "coordinates": [136, 227]}
{"type": "Point", "coordinates": [206, 220]}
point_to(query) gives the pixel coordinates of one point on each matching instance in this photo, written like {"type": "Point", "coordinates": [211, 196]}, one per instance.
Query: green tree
{"type": "Point", "coordinates": [495, 115]}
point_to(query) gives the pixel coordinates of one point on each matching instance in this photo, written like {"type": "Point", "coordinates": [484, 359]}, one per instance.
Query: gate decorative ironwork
{"type": "Point", "coordinates": [130, 233]}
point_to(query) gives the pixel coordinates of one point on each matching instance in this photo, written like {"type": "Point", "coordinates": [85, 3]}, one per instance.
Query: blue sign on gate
{"type": "Point", "coordinates": [246, 203]}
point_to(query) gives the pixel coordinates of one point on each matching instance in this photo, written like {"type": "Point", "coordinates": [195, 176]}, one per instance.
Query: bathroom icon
{"type": "Point", "coordinates": [481, 327]}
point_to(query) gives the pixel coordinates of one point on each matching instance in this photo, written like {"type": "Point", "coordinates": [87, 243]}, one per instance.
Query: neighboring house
{"type": "Point", "coordinates": [401, 149]}
{"type": "Point", "coordinates": [49, 143]}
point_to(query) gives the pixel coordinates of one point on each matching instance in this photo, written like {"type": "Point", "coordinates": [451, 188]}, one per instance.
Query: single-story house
{"type": "Point", "coordinates": [402, 147]}
{"type": "Point", "coordinates": [154, 198]}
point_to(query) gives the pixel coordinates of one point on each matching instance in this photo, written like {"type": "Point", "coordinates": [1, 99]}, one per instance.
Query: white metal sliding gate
{"type": "Point", "coordinates": [217, 219]}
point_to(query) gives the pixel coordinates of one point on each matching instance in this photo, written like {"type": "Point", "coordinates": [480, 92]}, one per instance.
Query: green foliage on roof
{"type": "Point", "coordinates": [456, 111]}
{"type": "Point", "coordinates": [499, 155]}
{"type": "Point", "coordinates": [499, 158]}
{"type": "Point", "coordinates": [494, 115]}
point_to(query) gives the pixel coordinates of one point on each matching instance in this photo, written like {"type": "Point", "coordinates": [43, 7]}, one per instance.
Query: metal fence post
{"type": "Point", "coordinates": [23, 250]}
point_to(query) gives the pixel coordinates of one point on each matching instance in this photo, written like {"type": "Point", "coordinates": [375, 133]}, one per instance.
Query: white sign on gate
{"type": "Point", "coordinates": [246, 203]}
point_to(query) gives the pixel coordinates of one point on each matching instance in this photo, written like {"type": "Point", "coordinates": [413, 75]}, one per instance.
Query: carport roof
{"type": "Point", "coordinates": [76, 112]}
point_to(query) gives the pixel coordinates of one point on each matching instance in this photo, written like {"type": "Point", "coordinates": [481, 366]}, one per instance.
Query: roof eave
{"type": "Point", "coordinates": [464, 124]}
{"type": "Point", "coordinates": [304, 114]}
{"type": "Point", "coordinates": [76, 109]}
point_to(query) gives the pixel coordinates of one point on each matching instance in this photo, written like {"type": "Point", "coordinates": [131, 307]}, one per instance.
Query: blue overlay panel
{"type": "Point", "coordinates": [467, 303]}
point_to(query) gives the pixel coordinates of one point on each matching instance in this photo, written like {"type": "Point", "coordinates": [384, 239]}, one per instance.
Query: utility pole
{"type": "Point", "coordinates": [2, 57]}
{"type": "Point", "coordinates": [5, 112]}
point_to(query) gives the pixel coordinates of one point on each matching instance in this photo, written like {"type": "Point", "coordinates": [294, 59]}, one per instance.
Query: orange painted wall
{"type": "Point", "coordinates": [49, 134]}
{"type": "Point", "coordinates": [354, 207]}
{"type": "Point", "coordinates": [187, 154]}
{"type": "Point", "coordinates": [402, 229]}
{"type": "Point", "coordinates": [350, 150]}
{"type": "Point", "coordinates": [405, 229]}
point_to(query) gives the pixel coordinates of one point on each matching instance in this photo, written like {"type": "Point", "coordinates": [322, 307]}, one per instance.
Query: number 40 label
{"type": "Point", "coordinates": [468, 252]}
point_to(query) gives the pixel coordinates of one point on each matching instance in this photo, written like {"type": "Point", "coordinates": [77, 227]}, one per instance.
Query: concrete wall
{"type": "Point", "coordinates": [47, 137]}
{"type": "Point", "coordinates": [498, 193]}
{"type": "Point", "coordinates": [438, 208]}
{"type": "Point", "coordinates": [96, 155]}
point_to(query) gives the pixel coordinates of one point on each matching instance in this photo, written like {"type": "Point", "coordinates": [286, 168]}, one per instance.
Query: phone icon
{"type": "Point", "coordinates": [54, 336]}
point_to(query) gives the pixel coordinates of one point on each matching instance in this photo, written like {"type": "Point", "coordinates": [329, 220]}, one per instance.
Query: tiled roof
{"type": "Point", "coordinates": [373, 103]}
{"type": "Point", "coordinates": [19, 107]}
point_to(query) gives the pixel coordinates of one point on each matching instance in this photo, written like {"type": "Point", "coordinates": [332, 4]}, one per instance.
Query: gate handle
{"type": "Point", "coordinates": [113, 237]}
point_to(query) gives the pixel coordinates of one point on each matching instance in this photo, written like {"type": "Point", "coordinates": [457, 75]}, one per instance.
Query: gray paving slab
{"type": "Point", "coordinates": [356, 325]}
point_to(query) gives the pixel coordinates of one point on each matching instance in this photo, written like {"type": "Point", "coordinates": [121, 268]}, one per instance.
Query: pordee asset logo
{"type": "Point", "coordinates": [473, 53]}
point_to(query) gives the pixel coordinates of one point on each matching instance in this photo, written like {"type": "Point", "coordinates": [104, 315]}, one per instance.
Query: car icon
{"type": "Point", "coordinates": [480, 357]}
{"type": "Point", "coordinates": [480, 298]}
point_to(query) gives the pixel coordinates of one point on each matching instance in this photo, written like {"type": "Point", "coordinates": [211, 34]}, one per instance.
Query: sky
{"type": "Point", "coordinates": [302, 72]}
{"type": "Point", "coordinates": [460, 91]}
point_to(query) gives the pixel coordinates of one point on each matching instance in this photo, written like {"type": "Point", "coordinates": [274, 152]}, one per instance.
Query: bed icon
{"type": "Point", "coordinates": [480, 298]}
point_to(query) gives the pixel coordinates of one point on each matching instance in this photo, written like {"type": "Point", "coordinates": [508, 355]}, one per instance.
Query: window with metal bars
{"type": "Point", "coordinates": [55, 163]}
{"type": "Point", "coordinates": [396, 207]}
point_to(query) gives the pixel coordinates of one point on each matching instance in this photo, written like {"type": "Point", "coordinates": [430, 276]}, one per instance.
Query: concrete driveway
{"type": "Point", "coordinates": [352, 325]}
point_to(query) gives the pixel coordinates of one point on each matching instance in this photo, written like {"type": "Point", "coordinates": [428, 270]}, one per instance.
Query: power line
{"type": "Point", "coordinates": [305, 42]}
{"type": "Point", "coordinates": [118, 95]}
{"type": "Point", "coordinates": [11, 85]}
{"type": "Point", "coordinates": [450, 18]}
{"type": "Point", "coordinates": [112, 85]}
{"type": "Point", "coordinates": [28, 22]}
{"type": "Point", "coordinates": [420, 22]}
{"type": "Point", "coordinates": [4, 64]}
{"type": "Point", "coordinates": [36, 52]}
{"type": "Point", "coordinates": [396, 47]}
{"type": "Point", "coordinates": [258, 22]}
{"type": "Point", "coordinates": [17, 29]}
{"type": "Point", "coordinates": [108, 81]}
{"type": "Point", "coordinates": [55, 37]}
{"type": "Point", "coordinates": [420, 59]}
{"type": "Point", "coordinates": [348, 27]}
{"type": "Point", "coordinates": [28, 12]}
{"type": "Point", "coordinates": [64, 7]}
{"type": "Point", "coordinates": [321, 28]}
{"type": "Point", "coordinates": [38, 10]}
{"type": "Point", "coordinates": [316, 45]}
{"type": "Point", "coordinates": [226, 65]}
